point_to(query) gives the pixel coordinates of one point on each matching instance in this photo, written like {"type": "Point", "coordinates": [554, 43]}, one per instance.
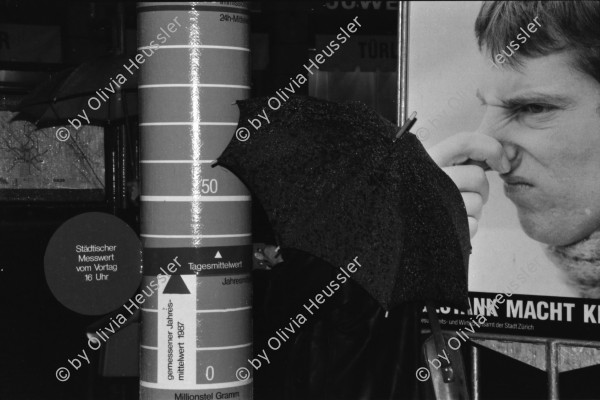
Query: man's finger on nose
{"type": "Point", "coordinates": [488, 150]}
{"type": "Point", "coordinates": [481, 164]}
{"type": "Point", "coordinates": [466, 146]}
{"type": "Point", "coordinates": [469, 178]}
{"type": "Point", "coordinates": [473, 204]}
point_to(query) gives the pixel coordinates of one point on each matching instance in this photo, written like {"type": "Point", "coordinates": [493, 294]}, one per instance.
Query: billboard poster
{"type": "Point", "coordinates": [535, 263]}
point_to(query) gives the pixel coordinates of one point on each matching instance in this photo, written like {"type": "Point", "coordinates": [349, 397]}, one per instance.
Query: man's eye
{"type": "Point", "coordinates": [535, 113]}
{"type": "Point", "coordinates": [536, 108]}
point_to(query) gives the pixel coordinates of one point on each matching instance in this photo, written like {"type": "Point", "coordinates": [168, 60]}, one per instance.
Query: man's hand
{"type": "Point", "coordinates": [269, 256]}
{"type": "Point", "coordinates": [454, 154]}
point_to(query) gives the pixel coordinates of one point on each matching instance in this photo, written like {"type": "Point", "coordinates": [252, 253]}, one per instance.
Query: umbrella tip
{"type": "Point", "coordinates": [407, 125]}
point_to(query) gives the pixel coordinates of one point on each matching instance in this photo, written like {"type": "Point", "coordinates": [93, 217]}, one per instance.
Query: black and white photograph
{"type": "Point", "coordinates": [300, 200]}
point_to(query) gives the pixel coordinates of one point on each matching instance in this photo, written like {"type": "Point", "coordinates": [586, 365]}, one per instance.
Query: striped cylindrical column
{"type": "Point", "coordinates": [195, 224]}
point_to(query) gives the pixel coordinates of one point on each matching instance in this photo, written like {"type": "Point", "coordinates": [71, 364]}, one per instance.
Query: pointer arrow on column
{"type": "Point", "coordinates": [176, 285]}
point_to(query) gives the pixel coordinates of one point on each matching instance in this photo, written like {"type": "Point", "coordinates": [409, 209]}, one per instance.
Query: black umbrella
{"type": "Point", "coordinates": [335, 184]}
{"type": "Point", "coordinates": [69, 93]}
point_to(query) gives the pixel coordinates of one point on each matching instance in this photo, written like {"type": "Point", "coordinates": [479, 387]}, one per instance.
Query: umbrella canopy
{"type": "Point", "coordinates": [67, 94]}
{"type": "Point", "coordinates": [335, 184]}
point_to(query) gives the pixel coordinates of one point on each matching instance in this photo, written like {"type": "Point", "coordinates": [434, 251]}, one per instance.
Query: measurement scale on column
{"type": "Point", "coordinates": [197, 327]}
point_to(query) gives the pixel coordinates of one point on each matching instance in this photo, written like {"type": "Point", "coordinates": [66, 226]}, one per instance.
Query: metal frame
{"type": "Point", "coordinates": [402, 80]}
{"type": "Point", "coordinates": [553, 346]}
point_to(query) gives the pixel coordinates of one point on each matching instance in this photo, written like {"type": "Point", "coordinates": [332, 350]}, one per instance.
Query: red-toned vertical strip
{"type": "Point", "coordinates": [195, 222]}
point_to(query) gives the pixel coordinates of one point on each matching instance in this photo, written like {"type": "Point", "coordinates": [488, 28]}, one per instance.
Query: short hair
{"type": "Point", "coordinates": [565, 25]}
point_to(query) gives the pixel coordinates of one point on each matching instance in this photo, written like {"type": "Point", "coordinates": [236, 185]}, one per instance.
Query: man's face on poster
{"type": "Point", "coordinates": [546, 115]}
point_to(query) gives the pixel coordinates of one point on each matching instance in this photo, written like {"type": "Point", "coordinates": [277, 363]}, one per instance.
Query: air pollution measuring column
{"type": "Point", "coordinates": [195, 222]}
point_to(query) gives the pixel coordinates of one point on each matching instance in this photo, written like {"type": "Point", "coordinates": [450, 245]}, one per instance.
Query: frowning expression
{"type": "Point", "coordinates": [546, 115]}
